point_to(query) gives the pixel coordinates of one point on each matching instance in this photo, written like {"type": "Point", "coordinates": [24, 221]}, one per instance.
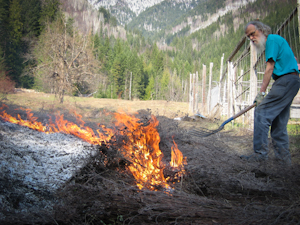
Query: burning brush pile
{"type": "Point", "coordinates": [44, 162]}
{"type": "Point", "coordinates": [65, 171]}
{"type": "Point", "coordinates": [135, 141]}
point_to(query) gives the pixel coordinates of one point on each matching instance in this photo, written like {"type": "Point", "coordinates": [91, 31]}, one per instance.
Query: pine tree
{"type": "Point", "coordinates": [164, 85]}
{"type": "Point", "coordinates": [156, 58]}
{"type": "Point", "coordinates": [49, 12]}
{"type": "Point", "coordinates": [15, 23]}
{"type": "Point", "coordinates": [105, 13]}
{"type": "Point", "coordinates": [4, 28]}
{"type": "Point", "coordinates": [150, 89]}
{"type": "Point", "coordinates": [31, 10]}
{"type": "Point", "coordinates": [116, 74]}
{"type": "Point", "coordinates": [97, 46]}
{"type": "Point", "coordinates": [2, 64]}
{"type": "Point", "coordinates": [14, 46]}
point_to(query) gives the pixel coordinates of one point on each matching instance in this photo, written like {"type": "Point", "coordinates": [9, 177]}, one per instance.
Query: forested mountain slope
{"type": "Point", "coordinates": [125, 10]}
{"type": "Point", "coordinates": [164, 20]}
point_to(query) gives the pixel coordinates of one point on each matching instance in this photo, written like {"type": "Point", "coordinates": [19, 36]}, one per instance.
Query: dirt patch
{"type": "Point", "coordinates": [218, 188]}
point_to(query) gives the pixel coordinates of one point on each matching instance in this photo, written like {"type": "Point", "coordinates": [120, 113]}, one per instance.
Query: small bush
{"type": "Point", "coordinates": [6, 85]}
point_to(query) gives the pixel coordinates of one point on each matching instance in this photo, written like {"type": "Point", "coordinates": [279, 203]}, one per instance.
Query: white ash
{"type": "Point", "coordinates": [34, 165]}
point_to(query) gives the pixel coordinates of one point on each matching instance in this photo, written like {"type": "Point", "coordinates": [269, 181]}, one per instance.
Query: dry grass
{"type": "Point", "coordinates": [38, 101]}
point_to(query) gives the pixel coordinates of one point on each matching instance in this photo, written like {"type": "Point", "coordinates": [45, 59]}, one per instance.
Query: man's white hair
{"type": "Point", "coordinates": [265, 29]}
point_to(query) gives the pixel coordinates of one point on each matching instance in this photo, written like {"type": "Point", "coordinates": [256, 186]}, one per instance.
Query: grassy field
{"type": "Point", "coordinates": [37, 101]}
{"type": "Point", "coordinates": [89, 107]}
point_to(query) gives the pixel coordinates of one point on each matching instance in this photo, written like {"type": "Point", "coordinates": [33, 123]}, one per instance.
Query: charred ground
{"type": "Point", "coordinates": [218, 188]}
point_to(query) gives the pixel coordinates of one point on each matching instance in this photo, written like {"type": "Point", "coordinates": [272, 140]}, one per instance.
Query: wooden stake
{"type": "Point", "coordinates": [130, 86]}
{"type": "Point", "coordinates": [221, 72]}
{"type": "Point", "coordinates": [209, 87]}
{"type": "Point", "coordinates": [204, 88]}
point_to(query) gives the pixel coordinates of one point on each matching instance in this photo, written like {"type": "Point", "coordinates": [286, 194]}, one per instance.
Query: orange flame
{"type": "Point", "coordinates": [142, 147]}
{"type": "Point", "coordinates": [177, 159]}
{"type": "Point", "coordinates": [140, 143]}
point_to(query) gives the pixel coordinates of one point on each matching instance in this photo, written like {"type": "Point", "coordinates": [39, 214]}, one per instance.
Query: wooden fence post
{"type": "Point", "coordinates": [234, 72]}
{"type": "Point", "coordinates": [221, 73]}
{"type": "Point", "coordinates": [193, 102]}
{"type": "Point", "coordinates": [240, 88]}
{"type": "Point", "coordinates": [194, 92]}
{"type": "Point", "coordinates": [204, 88]}
{"type": "Point", "coordinates": [253, 77]}
{"type": "Point", "coordinates": [231, 85]}
{"type": "Point", "coordinates": [130, 86]}
{"type": "Point", "coordinates": [191, 94]}
{"type": "Point", "coordinates": [209, 87]}
{"type": "Point", "coordinates": [298, 12]}
{"type": "Point", "coordinates": [228, 88]}
{"type": "Point", "coordinates": [224, 97]}
{"type": "Point", "coordinates": [197, 95]}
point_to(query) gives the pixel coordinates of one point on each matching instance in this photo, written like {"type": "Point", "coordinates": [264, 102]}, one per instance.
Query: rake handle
{"type": "Point", "coordinates": [238, 114]}
{"type": "Point", "coordinates": [244, 111]}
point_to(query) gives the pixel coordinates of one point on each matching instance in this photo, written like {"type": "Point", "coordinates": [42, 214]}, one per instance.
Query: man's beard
{"type": "Point", "coordinates": [261, 45]}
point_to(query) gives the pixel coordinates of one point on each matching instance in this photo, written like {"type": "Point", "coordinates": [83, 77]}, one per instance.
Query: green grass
{"type": "Point", "coordinates": [293, 129]}
{"type": "Point", "coordinates": [294, 140]}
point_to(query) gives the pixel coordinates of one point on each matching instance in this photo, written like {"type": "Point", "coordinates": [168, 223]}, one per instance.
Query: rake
{"type": "Point", "coordinates": [203, 132]}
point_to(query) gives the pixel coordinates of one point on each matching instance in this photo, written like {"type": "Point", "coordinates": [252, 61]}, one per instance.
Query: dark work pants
{"type": "Point", "coordinates": [274, 112]}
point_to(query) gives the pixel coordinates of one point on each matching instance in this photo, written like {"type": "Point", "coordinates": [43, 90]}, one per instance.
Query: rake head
{"type": "Point", "coordinates": [203, 132]}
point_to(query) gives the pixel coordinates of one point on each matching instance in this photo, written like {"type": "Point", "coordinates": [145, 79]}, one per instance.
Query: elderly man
{"type": "Point", "coordinates": [273, 110]}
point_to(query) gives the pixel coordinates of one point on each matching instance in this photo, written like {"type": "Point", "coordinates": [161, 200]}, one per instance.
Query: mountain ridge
{"type": "Point", "coordinates": [136, 6]}
{"type": "Point", "coordinates": [160, 18]}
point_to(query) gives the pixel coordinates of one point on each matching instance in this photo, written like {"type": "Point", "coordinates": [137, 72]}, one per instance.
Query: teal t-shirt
{"type": "Point", "coordinates": [278, 49]}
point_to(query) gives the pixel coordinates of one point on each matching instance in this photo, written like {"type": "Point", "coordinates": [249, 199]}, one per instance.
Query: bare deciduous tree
{"type": "Point", "coordinates": [64, 60]}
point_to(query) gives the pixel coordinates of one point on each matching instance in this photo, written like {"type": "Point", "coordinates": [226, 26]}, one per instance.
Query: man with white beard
{"type": "Point", "coordinates": [273, 110]}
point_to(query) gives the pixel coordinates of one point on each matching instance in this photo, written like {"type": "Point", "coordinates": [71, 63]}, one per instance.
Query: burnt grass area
{"type": "Point", "coordinates": [218, 187]}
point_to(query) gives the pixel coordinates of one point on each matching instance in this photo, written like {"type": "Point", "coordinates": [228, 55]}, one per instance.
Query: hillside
{"type": "Point", "coordinates": [136, 6]}
{"type": "Point", "coordinates": [85, 16]}
{"type": "Point", "coordinates": [183, 17]}
{"type": "Point", "coordinates": [124, 10]}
